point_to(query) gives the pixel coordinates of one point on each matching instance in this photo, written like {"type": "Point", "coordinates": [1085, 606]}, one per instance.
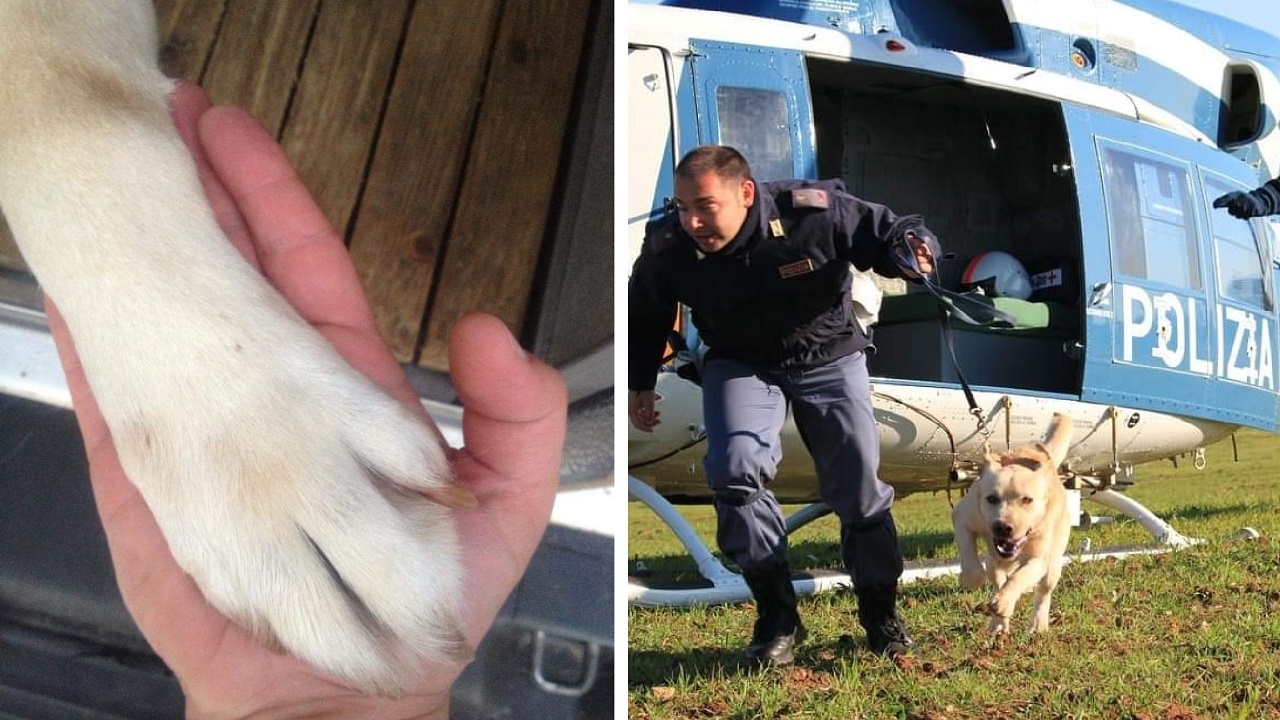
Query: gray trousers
{"type": "Point", "coordinates": [744, 409]}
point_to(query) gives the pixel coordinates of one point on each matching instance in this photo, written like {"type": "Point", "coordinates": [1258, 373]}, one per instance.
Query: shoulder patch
{"type": "Point", "coordinates": [810, 197]}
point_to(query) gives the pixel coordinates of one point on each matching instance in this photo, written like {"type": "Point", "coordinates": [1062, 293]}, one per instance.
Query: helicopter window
{"type": "Point", "coordinates": [1148, 205]}
{"type": "Point", "coordinates": [1242, 113]}
{"type": "Point", "coordinates": [1242, 264]}
{"type": "Point", "coordinates": [755, 122]}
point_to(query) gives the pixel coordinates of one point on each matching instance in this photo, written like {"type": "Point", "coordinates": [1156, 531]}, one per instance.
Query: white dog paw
{"type": "Point", "coordinates": [1002, 604]}
{"type": "Point", "coordinates": [1040, 622]}
{"type": "Point", "coordinates": [305, 504]}
{"type": "Point", "coordinates": [998, 629]}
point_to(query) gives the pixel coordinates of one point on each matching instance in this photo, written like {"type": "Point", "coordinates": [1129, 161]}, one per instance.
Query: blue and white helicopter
{"type": "Point", "coordinates": [1086, 140]}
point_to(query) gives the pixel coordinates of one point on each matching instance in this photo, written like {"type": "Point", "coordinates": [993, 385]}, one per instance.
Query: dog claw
{"type": "Point", "coordinates": [453, 496]}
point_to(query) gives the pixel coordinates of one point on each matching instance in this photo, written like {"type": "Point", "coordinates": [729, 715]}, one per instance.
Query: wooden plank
{"type": "Point", "coordinates": [187, 29]}
{"type": "Point", "coordinates": [257, 55]}
{"type": "Point", "coordinates": [510, 180]}
{"type": "Point", "coordinates": [413, 181]}
{"type": "Point", "coordinates": [334, 116]}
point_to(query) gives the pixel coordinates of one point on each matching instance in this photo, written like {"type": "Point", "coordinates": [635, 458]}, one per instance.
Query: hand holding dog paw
{"type": "Point", "coordinates": [513, 425]}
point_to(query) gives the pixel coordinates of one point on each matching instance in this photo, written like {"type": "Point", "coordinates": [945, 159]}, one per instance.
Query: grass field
{"type": "Point", "coordinates": [1179, 636]}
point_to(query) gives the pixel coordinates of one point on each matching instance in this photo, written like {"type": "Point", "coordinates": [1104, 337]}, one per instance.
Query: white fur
{"type": "Point", "coordinates": [1032, 505]}
{"type": "Point", "coordinates": [248, 436]}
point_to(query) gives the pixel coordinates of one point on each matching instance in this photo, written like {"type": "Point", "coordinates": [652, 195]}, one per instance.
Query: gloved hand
{"type": "Point", "coordinates": [1255, 203]}
{"type": "Point", "coordinates": [914, 246]}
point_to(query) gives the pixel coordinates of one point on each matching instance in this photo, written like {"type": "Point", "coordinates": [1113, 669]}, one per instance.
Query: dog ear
{"type": "Point", "coordinates": [1058, 440]}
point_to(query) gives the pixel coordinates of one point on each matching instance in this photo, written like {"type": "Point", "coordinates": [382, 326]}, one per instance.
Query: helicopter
{"type": "Point", "coordinates": [1087, 142]}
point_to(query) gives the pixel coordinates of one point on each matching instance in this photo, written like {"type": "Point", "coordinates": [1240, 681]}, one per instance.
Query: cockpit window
{"type": "Point", "coordinates": [1243, 265]}
{"type": "Point", "coordinates": [755, 122]}
{"type": "Point", "coordinates": [1152, 223]}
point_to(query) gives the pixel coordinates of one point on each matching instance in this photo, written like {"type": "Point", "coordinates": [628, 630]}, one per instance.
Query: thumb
{"type": "Point", "coordinates": [514, 408]}
{"type": "Point", "coordinates": [514, 411]}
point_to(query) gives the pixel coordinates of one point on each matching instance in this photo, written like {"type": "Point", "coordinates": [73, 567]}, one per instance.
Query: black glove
{"type": "Point", "coordinates": [1255, 203]}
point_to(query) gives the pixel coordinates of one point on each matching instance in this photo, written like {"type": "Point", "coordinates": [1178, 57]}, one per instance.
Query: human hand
{"type": "Point", "coordinates": [641, 409]}
{"type": "Point", "coordinates": [1240, 204]}
{"type": "Point", "coordinates": [513, 428]}
{"type": "Point", "coordinates": [923, 254]}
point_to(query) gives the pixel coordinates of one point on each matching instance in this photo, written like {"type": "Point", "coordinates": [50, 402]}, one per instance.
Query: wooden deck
{"type": "Point", "coordinates": [433, 134]}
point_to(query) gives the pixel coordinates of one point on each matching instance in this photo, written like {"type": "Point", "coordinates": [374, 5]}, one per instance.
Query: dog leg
{"type": "Point", "coordinates": [996, 572]}
{"type": "Point", "coordinates": [1040, 608]}
{"type": "Point", "coordinates": [287, 485]}
{"type": "Point", "coordinates": [1019, 581]}
{"type": "Point", "coordinates": [972, 573]}
{"type": "Point", "coordinates": [1044, 594]}
{"type": "Point", "coordinates": [998, 629]}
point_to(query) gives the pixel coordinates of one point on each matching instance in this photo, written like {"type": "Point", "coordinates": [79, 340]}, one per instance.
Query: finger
{"type": "Point", "coordinates": [187, 104]}
{"type": "Point", "coordinates": [300, 253]}
{"type": "Point", "coordinates": [514, 406]}
{"type": "Point", "coordinates": [513, 424]}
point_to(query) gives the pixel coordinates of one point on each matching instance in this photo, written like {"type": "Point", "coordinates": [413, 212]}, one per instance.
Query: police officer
{"type": "Point", "coordinates": [1258, 202]}
{"type": "Point", "coordinates": [764, 267]}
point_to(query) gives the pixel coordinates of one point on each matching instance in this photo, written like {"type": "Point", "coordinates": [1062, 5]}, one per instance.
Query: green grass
{"type": "Point", "coordinates": [1186, 635]}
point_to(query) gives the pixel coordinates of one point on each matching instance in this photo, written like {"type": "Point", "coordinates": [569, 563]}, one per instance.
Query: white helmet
{"type": "Point", "coordinates": [998, 274]}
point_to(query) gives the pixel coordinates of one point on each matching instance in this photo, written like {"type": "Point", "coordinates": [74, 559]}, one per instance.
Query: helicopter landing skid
{"type": "Point", "coordinates": [718, 585]}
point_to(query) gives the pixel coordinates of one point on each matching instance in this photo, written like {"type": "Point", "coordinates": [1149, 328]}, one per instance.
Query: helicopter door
{"type": "Point", "coordinates": [1179, 300]}
{"type": "Point", "coordinates": [755, 99]}
{"type": "Point", "coordinates": [652, 139]}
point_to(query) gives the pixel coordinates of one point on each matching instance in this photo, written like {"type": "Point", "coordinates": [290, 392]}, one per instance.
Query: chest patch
{"type": "Point", "coordinates": [800, 267]}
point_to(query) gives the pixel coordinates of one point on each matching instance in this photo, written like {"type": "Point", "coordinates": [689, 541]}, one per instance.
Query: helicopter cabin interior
{"type": "Point", "coordinates": [989, 171]}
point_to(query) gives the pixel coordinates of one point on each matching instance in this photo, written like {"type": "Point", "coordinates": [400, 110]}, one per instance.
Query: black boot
{"type": "Point", "coordinates": [778, 628]}
{"type": "Point", "coordinates": [878, 613]}
{"type": "Point", "coordinates": [874, 561]}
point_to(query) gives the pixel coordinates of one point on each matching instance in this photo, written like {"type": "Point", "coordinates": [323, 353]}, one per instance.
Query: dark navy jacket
{"type": "Point", "coordinates": [768, 299]}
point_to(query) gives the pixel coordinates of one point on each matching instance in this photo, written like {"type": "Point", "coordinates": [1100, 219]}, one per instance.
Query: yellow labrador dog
{"type": "Point", "coordinates": [1018, 506]}
{"type": "Point", "coordinates": [288, 486]}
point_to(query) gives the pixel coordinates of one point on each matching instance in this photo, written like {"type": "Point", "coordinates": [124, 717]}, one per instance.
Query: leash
{"type": "Point", "coordinates": [950, 303]}
{"type": "Point", "coordinates": [944, 318]}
